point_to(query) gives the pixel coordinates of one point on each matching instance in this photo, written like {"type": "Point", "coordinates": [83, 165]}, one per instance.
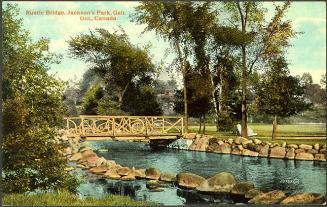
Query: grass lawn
{"type": "Point", "coordinates": [292, 134]}
{"type": "Point", "coordinates": [68, 199]}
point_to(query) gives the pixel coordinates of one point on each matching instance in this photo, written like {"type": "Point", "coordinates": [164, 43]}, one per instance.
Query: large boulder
{"type": "Point", "coordinates": [272, 197]}
{"type": "Point", "coordinates": [168, 177]}
{"type": "Point", "coordinates": [264, 151]}
{"type": "Point", "coordinates": [305, 146]}
{"type": "Point", "coordinates": [123, 171]}
{"type": "Point", "coordinates": [277, 152]}
{"type": "Point", "coordinates": [152, 173]}
{"type": "Point", "coordinates": [299, 151]}
{"type": "Point", "coordinates": [312, 151]}
{"type": "Point", "coordinates": [316, 146]}
{"type": "Point", "coordinates": [320, 157]}
{"type": "Point", "coordinates": [257, 141]}
{"type": "Point", "coordinates": [189, 180]}
{"type": "Point", "coordinates": [236, 151]}
{"type": "Point", "coordinates": [240, 140]}
{"type": "Point", "coordinates": [112, 174]}
{"type": "Point", "coordinates": [98, 170]}
{"type": "Point", "coordinates": [75, 157]}
{"type": "Point", "coordinates": [128, 177]}
{"type": "Point", "coordinates": [221, 182]}
{"type": "Point", "coordinates": [252, 193]}
{"type": "Point", "coordinates": [247, 152]}
{"type": "Point", "coordinates": [305, 198]}
{"type": "Point", "coordinates": [139, 173]}
{"type": "Point", "coordinates": [304, 156]}
{"type": "Point", "coordinates": [242, 187]}
{"type": "Point", "coordinates": [290, 154]}
{"type": "Point", "coordinates": [200, 144]}
{"type": "Point", "coordinates": [293, 146]}
{"type": "Point", "coordinates": [100, 161]}
{"type": "Point", "coordinates": [225, 148]}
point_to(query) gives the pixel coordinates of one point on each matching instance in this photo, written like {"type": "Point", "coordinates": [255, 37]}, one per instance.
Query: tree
{"type": "Point", "coordinates": [90, 101]}
{"type": "Point", "coordinates": [168, 19]}
{"type": "Point", "coordinates": [280, 94]}
{"type": "Point", "coordinates": [32, 112]}
{"type": "Point", "coordinates": [113, 58]}
{"type": "Point", "coordinates": [269, 41]}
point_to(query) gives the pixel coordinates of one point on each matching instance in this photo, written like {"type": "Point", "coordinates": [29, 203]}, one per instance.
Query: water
{"type": "Point", "coordinates": [267, 174]}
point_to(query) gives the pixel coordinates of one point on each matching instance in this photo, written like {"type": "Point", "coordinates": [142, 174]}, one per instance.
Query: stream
{"type": "Point", "coordinates": [290, 176]}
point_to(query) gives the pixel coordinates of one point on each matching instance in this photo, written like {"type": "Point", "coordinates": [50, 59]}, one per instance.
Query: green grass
{"type": "Point", "coordinates": [68, 199]}
{"type": "Point", "coordinates": [292, 134]}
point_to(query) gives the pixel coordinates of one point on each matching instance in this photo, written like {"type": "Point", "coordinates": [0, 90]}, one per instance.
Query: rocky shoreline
{"type": "Point", "coordinates": [221, 183]}
{"type": "Point", "coordinates": [250, 147]}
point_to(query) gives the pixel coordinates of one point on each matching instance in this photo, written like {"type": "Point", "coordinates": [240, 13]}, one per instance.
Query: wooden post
{"type": "Point", "coordinates": [113, 126]}
{"type": "Point", "coordinates": [163, 124]}
{"type": "Point", "coordinates": [146, 126]}
{"type": "Point", "coordinates": [82, 125]}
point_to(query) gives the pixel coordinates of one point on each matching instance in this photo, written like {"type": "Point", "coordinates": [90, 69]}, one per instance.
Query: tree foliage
{"type": "Point", "coordinates": [32, 111]}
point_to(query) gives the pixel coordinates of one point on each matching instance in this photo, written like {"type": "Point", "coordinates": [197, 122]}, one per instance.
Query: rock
{"type": "Point", "coordinates": [320, 157]}
{"type": "Point", "coordinates": [221, 182]}
{"type": "Point", "coordinates": [81, 166]}
{"type": "Point", "coordinates": [316, 146]}
{"type": "Point", "coordinates": [312, 151]}
{"type": "Point", "coordinates": [247, 142]}
{"type": "Point", "coordinates": [304, 156]}
{"type": "Point", "coordinates": [112, 174]}
{"type": "Point", "coordinates": [247, 152]}
{"type": "Point", "coordinates": [75, 157]}
{"type": "Point", "coordinates": [257, 141]}
{"type": "Point", "coordinates": [189, 180]}
{"type": "Point", "coordinates": [236, 151]}
{"type": "Point", "coordinates": [278, 152]}
{"type": "Point", "coordinates": [110, 163]}
{"type": "Point", "coordinates": [305, 146]}
{"type": "Point", "coordinates": [100, 161]}
{"type": "Point", "coordinates": [98, 170]}
{"type": "Point", "coordinates": [272, 197]}
{"type": "Point", "coordinates": [128, 177]}
{"type": "Point", "coordinates": [323, 151]}
{"type": "Point", "coordinates": [290, 154]}
{"type": "Point", "coordinates": [152, 173]}
{"type": "Point", "coordinates": [242, 187]}
{"type": "Point", "coordinates": [139, 173]}
{"type": "Point", "coordinates": [190, 136]}
{"type": "Point", "coordinates": [305, 198]}
{"type": "Point", "coordinates": [168, 177]}
{"type": "Point", "coordinates": [284, 144]}
{"type": "Point", "coordinates": [299, 150]}
{"type": "Point", "coordinates": [230, 141]}
{"type": "Point", "coordinates": [220, 142]}
{"type": "Point", "coordinates": [200, 144]}
{"type": "Point", "coordinates": [240, 147]}
{"type": "Point", "coordinates": [225, 148]}
{"type": "Point", "coordinates": [292, 146]}
{"type": "Point", "coordinates": [264, 151]}
{"type": "Point", "coordinates": [240, 140]}
{"type": "Point", "coordinates": [123, 171]}
{"type": "Point", "coordinates": [251, 146]}
{"type": "Point", "coordinates": [88, 153]}
{"type": "Point", "coordinates": [252, 193]}
{"type": "Point", "coordinates": [183, 144]}
{"type": "Point", "coordinates": [323, 146]}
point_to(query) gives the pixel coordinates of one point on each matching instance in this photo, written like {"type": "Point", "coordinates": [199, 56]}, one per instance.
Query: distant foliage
{"type": "Point", "coordinates": [32, 111]}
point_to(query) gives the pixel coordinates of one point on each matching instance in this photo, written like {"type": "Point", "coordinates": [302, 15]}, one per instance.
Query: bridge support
{"type": "Point", "coordinates": [159, 144]}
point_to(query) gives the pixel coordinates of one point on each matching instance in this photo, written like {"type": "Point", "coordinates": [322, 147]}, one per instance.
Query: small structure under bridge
{"type": "Point", "coordinates": [159, 131]}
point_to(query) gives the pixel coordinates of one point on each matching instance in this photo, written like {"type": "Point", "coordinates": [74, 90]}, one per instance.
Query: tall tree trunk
{"type": "Point", "coordinates": [204, 123]}
{"type": "Point", "coordinates": [200, 125]}
{"type": "Point", "coordinates": [244, 122]}
{"type": "Point", "coordinates": [184, 72]}
{"type": "Point", "coordinates": [274, 128]}
{"type": "Point", "coordinates": [214, 101]}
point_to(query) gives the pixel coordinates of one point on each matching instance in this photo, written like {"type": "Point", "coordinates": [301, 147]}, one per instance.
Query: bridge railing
{"type": "Point", "coordinates": [125, 125]}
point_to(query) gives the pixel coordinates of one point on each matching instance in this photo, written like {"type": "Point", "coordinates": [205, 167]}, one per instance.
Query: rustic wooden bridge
{"type": "Point", "coordinates": [158, 130]}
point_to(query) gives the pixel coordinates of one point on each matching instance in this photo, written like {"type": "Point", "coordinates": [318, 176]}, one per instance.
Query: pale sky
{"type": "Point", "coordinates": [308, 53]}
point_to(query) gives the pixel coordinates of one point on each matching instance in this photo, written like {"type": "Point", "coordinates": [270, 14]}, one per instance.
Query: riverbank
{"type": "Point", "coordinates": [221, 183]}
{"type": "Point", "coordinates": [251, 147]}
{"type": "Point", "coordinates": [68, 199]}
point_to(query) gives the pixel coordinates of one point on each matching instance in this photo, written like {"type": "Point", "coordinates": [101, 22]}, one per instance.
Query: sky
{"type": "Point", "coordinates": [307, 54]}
